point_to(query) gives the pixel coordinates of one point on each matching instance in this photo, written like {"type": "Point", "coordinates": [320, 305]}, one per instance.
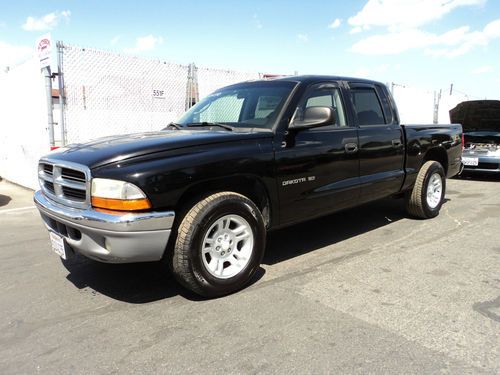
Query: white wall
{"type": "Point", "coordinates": [416, 106]}
{"type": "Point", "coordinates": [23, 122]}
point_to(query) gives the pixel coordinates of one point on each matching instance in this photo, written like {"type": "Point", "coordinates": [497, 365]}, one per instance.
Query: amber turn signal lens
{"type": "Point", "coordinates": [121, 204]}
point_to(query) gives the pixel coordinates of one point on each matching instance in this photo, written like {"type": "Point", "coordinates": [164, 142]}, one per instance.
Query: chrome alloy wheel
{"type": "Point", "coordinates": [227, 246]}
{"type": "Point", "coordinates": [434, 190]}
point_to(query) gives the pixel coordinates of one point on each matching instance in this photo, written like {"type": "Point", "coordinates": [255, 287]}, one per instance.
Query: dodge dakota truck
{"type": "Point", "coordinates": [201, 194]}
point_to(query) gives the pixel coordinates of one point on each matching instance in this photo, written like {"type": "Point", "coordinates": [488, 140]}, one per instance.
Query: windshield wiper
{"type": "Point", "coordinates": [173, 125]}
{"type": "Point", "coordinates": [204, 123]}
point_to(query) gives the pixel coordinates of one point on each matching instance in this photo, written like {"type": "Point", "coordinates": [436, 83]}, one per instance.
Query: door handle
{"type": "Point", "coordinates": [351, 148]}
{"type": "Point", "coordinates": [396, 143]}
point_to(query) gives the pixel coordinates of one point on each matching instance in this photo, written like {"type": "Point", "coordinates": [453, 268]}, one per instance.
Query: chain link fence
{"type": "Point", "coordinates": [210, 80]}
{"type": "Point", "coordinates": [108, 93]}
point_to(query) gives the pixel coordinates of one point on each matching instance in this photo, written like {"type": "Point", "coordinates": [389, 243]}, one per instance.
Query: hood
{"type": "Point", "coordinates": [477, 115]}
{"type": "Point", "coordinates": [107, 150]}
{"type": "Point", "coordinates": [482, 137]}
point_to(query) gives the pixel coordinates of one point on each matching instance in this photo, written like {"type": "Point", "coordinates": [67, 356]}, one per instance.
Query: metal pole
{"type": "Point", "coordinates": [62, 104]}
{"type": "Point", "coordinates": [437, 98]}
{"type": "Point", "coordinates": [190, 88]}
{"type": "Point", "coordinates": [48, 92]}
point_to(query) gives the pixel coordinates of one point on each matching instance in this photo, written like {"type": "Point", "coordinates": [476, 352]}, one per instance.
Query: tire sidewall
{"type": "Point", "coordinates": [211, 284]}
{"type": "Point", "coordinates": [434, 168]}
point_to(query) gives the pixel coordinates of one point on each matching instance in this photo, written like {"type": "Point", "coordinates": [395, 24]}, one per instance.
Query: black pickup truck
{"type": "Point", "coordinates": [251, 157]}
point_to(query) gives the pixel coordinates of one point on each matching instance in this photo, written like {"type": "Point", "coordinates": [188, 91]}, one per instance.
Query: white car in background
{"type": "Point", "coordinates": [480, 121]}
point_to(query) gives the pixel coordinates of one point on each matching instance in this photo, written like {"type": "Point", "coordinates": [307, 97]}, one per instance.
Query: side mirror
{"type": "Point", "coordinates": [315, 117]}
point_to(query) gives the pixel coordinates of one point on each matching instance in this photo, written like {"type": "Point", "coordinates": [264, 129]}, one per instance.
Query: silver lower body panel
{"type": "Point", "coordinates": [92, 233]}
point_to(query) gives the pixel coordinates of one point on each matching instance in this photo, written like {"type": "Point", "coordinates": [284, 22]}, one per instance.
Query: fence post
{"type": "Point", "coordinates": [192, 96]}
{"type": "Point", "coordinates": [437, 98]}
{"type": "Point", "coordinates": [48, 93]}
{"type": "Point", "coordinates": [62, 96]}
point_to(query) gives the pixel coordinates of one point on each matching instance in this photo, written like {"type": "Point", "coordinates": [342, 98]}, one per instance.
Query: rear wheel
{"type": "Point", "coordinates": [426, 198]}
{"type": "Point", "coordinates": [220, 244]}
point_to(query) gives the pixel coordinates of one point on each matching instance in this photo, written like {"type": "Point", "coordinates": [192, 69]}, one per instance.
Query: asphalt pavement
{"type": "Point", "coordinates": [367, 290]}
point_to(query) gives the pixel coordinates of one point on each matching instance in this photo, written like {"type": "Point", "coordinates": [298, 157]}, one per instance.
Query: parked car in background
{"type": "Point", "coordinates": [480, 121]}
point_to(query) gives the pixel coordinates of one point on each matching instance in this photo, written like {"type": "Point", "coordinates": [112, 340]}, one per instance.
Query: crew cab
{"type": "Point", "coordinates": [252, 157]}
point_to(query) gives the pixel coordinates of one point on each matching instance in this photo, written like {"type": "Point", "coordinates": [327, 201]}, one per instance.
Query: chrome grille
{"type": "Point", "coordinates": [64, 182]}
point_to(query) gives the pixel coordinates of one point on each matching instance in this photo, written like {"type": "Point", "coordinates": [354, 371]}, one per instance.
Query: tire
{"type": "Point", "coordinates": [219, 246]}
{"type": "Point", "coordinates": [427, 196]}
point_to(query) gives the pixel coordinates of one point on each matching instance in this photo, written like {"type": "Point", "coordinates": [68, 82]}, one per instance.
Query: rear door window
{"type": "Point", "coordinates": [367, 107]}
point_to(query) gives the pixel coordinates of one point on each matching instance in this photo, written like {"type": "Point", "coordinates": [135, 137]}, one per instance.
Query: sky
{"type": "Point", "coordinates": [427, 44]}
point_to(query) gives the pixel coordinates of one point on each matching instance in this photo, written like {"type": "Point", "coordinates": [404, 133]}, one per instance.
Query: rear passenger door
{"type": "Point", "coordinates": [381, 143]}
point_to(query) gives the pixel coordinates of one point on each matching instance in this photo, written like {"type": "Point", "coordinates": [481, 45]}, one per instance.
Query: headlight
{"type": "Point", "coordinates": [118, 195]}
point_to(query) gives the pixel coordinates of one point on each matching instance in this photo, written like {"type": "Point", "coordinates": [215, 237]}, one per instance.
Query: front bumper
{"type": "Point", "coordinates": [127, 238]}
{"type": "Point", "coordinates": [487, 164]}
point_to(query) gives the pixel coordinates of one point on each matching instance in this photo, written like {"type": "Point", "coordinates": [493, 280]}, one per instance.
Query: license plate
{"type": "Point", "coordinates": [57, 244]}
{"type": "Point", "coordinates": [470, 161]}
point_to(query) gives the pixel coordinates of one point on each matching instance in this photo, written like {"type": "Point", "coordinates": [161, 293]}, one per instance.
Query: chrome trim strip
{"type": "Point", "coordinates": [44, 176]}
{"type": "Point", "coordinates": [128, 222]}
{"type": "Point", "coordinates": [68, 183]}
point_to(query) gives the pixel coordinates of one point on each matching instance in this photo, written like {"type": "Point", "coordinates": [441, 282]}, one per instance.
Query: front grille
{"type": "Point", "coordinates": [73, 175]}
{"type": "Point", "coordinates": [49, 186]}
{"type": "Point", "coordinates": [66, 183]}
{"type": "Point", "coordinates": [48, 168]}
{"type": "Point", "coordinates": [74, 193]}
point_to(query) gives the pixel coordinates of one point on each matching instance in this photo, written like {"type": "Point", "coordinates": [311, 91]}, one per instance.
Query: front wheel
{"type": "Point", "coordinates": [427, 196]}
{"type": "Point", "coordinates": [220, 245]}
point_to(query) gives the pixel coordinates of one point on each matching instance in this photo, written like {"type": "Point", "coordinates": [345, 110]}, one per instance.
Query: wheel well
{"type": "Point", "coordinates": [250, 187]}
{"type": "Point", "coordinates": [438, 154]}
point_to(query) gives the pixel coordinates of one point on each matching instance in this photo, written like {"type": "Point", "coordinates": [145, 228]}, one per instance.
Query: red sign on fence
{"type": "Point", "coordinates": [44, 50]}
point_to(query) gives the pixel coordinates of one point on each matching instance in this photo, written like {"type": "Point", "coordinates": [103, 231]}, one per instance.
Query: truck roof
{"type": "Point", "coordinates": [307, 79]}
{"type": "Point", "coordinates": [318, 78]}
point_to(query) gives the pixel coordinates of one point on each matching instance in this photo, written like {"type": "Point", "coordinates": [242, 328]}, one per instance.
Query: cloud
{"type": "Point", "coordinates": [256, 22]}
{"type": "Point", "coordinates": [145, 43]}
{"type": "Point", "coordinates": [453, 43]}
{"type": "Point", "coordinates": [483, 69]}
{"type": "Point", "coordinates": [403, 21]}
{"type": "Point", "coordinates": [303, 38]}
{"type": "Point", "coordinates": [47, 22]}
{"type": "Point", "coordinates": [335, 24]}
{"type": "Point", "coordinates": [12, 55]}
{"type": "Point", "coordinates": [397, 14]}
{"type": "Point", "coordinates": [393, 43]}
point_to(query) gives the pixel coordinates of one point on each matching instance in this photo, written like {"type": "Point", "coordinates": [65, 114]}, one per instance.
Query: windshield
{"type": "Point", "coordinates": [248, 105]}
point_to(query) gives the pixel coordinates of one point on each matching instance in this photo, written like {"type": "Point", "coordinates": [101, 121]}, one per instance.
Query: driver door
{"type": "Point", "coordinates": [318, 168]}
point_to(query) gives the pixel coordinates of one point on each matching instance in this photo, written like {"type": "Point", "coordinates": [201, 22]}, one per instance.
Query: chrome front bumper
{"type": "Point", "coordinates": [127, 238]}
{"type": "Point", "coordinates": [487, 164]}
